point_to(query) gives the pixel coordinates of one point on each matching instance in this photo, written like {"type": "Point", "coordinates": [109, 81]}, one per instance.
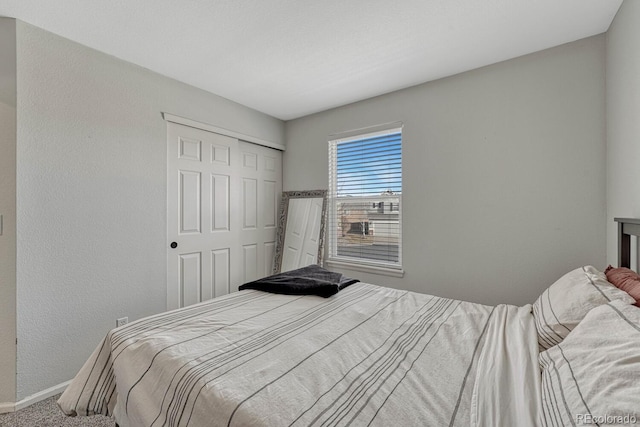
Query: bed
{"type": "Point", "coordinates": [368, 355]}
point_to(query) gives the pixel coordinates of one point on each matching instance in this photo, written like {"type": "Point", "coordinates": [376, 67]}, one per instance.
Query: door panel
{"type": "Point", "coordinates": [191, 281]}
{"type": "Point", "coordinates": [270, 203]}
{"type": "Point", "coordinates": [250, 263]}
{"type": "Point", "coordinates": [189, 202]}
{"type": "Point", "coordinates": [221, 277]}
{"type": "Point", "coordinates": [190, 149]}
{"type": "Point", "coordinates": [250, 203]}
{"type": "Point", "coordinates": [222, 198]}
{"type": "Point", "coordinates": [269, 256]}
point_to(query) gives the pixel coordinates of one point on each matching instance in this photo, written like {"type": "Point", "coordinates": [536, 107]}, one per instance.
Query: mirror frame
{"type": "Point", "coordinates": [282, 223]}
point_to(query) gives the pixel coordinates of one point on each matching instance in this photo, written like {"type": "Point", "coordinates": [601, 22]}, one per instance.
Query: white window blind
{"type": "Point", "coordinates": [365, 199]}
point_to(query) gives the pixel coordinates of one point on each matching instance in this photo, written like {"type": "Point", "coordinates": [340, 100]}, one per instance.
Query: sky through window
{"type": "Point", "coordinates": [369, 166]}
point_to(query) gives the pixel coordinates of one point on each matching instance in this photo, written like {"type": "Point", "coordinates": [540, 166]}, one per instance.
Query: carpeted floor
{"type": "Point", "coordinates": [47, 414]}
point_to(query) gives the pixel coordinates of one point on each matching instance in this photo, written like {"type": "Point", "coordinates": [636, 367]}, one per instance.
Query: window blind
{"type": "Point", "coordinates": [365, 199]}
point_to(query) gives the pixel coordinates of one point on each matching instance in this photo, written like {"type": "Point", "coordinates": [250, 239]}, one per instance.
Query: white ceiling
{"type": "Point", "coordinates": [290, 58]}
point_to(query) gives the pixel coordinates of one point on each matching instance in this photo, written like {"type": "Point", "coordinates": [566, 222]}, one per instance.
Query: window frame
{"type": "Point", "coordinates": [357, 263]}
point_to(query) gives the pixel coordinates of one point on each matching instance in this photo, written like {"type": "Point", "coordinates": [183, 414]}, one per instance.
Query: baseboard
{"type": "Point", "coordinates": [34, 398]}
{"type": "Point", "coordinates": [6, 407]}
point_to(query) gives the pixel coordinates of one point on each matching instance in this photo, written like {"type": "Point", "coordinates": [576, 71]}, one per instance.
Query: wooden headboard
{"type": "Point", "coordinates": [627, 227]}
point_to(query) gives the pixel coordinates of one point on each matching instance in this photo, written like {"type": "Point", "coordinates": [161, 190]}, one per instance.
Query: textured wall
{"type": "Point", "coordinates": [91, 185]}
{"type": "Point", "coordinates": [623, 126]}
{"type": "Point", "coordinates": [504, 172]}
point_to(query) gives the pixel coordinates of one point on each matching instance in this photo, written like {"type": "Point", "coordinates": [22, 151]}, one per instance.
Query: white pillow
{"type": "Point", "coordinates": [565, 303]}
{"type": "Point", "coordinates": [593, 376]}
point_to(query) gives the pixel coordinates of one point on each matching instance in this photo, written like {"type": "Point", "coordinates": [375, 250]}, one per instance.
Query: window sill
{"type": "Point", "coordinates": [365, 268]}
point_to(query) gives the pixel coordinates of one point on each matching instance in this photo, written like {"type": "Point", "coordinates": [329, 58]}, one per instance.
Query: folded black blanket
{"type": "Point", "coordinates": [310, 280]}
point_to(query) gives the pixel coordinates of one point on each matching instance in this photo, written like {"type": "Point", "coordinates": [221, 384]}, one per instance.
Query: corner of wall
{"type": "Point", "coordinates": [8, 86]}
{"type": "Point", "coordinates": [622, 126]}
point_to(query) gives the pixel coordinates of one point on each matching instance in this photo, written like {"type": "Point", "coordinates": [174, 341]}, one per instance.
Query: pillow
{"type": "Point", "coordinates": [625, 279]}
{"type": "Point", "coordinates": [593, 376]}
{"type": "Point", "coordinates": [565, 303]}
{"type": "Point", "coordinates": [309, 280]}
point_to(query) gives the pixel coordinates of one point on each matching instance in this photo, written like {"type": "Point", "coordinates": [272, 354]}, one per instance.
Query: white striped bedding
{"type": "Point", "coordinates": [593, 378]}
{"type": "Point", "coordinates": [367, 356]}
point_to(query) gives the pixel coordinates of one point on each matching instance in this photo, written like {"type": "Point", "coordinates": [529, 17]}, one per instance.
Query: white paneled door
{"type": "Point", "coordinates": [222, 207]}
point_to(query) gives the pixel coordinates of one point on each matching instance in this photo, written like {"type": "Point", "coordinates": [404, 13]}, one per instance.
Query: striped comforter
{"type": "Point", "coordinates": [369, 355]}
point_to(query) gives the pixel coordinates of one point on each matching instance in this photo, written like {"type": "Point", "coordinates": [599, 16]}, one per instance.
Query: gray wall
{"type": "Point", "coordinates": [7, 210]}
{"type": "Point", "coordinates": [504, 173]}
{"type": "Point", "coordinates": [91, 195]}
{"type": "Point", "coordinates": [623, 120]}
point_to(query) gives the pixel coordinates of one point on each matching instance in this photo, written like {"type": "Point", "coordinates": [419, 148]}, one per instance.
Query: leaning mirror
{"type": "Point", "coordinates": [300, 235]}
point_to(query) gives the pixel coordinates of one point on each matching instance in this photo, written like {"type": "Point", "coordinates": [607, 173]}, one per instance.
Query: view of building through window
{"type": "Point", "coordinates": [366, 188]}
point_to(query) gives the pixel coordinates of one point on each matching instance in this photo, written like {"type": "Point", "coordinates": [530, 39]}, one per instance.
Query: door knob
{"type": "Point", "coordinates": [173, 245]}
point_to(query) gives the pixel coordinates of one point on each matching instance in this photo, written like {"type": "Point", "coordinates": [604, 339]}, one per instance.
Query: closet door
{"type": "Point", "coordinates": [222, 199]}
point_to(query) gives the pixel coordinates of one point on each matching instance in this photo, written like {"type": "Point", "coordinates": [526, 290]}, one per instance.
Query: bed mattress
{"type": "Point", "coordinates": [367, 356]}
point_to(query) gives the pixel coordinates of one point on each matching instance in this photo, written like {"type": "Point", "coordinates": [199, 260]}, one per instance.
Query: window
{"type": "Point", "coordinates": [365, 192]}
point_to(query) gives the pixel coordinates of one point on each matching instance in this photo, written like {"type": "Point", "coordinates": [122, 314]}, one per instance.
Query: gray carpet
{"type": "Point", "coordinates": [47, 413]}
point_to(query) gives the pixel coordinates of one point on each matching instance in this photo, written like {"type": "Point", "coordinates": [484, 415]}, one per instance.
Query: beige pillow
{"type": "Point", "coordinates": [565, 303]}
